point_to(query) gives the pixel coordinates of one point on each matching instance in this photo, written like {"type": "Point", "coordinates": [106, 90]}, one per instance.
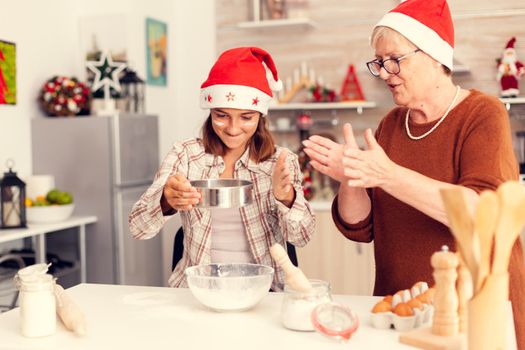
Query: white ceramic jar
{"type": "Point", "coordinates": [37, 303]}
{"type": "Point", "coordinates": [297, 306]}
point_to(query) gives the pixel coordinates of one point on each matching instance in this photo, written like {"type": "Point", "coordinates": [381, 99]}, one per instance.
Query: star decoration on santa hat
{"type": "Point", "coordinates": [209, 98]}
{"type": "Point", "coordinates": [106, 73]}
{"type": "Point", "coordinates": [255, 101]}
{"type": "Point", "coordinates": [230, 96]}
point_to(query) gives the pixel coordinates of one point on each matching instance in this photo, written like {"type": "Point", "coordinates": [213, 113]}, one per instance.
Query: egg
{"type": "Point", "coordinates": [382, 306]}
{"type": "Point", "coordinates": [427, 297]}
{"type": "Point", "coordinates": [388, 298]}
{"type": "Point", "coordinates": [403, 310]}
{"type": "Point", "coordinates": [396, 299]}
{"type": "Point", "coordinates": [415, 304]}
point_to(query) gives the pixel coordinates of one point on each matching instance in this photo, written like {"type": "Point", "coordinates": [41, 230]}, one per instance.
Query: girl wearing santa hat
{"type": "Point", "coordinates": [235, 143]}
{"type": "Point", "coordinates": [438, 136]}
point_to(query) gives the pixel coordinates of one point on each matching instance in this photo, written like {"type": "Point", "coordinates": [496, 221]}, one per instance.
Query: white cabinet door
{"type": "Point", "coordinates": [348, 266]}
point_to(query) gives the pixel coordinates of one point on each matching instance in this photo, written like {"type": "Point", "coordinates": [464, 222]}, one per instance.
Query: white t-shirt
{"type": "Point", "coordinates": [229, 243]}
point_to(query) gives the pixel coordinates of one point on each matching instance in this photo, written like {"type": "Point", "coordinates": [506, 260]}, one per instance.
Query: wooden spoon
{"type": "Point", "coordinates": [511, 220]}
{"type": "Point", "coordinates": [461, 225]}
{"type": "Point", "coordinates": [486, 220]}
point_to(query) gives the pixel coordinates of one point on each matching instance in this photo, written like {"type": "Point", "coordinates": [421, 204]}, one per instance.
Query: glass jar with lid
{"type": "Point", "coordinates": [37, 301]}
{"type": "Point", "coordinates": [297, 306]}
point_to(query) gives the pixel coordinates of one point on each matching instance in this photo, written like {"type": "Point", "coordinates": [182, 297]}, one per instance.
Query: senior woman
{"type": "Point", "coordinates": [438, 136]}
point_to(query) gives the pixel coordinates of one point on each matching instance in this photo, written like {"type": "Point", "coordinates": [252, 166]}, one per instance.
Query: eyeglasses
{"type": "Point", "coordinates": [391, 65]}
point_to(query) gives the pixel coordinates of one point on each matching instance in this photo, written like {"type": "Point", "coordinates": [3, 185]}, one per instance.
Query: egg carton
{"type": "Point", "coordinates": [386, 320]}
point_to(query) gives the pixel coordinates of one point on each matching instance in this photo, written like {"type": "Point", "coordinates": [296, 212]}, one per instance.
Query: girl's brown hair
{"type": "Point", "coordinates": [262, 144]}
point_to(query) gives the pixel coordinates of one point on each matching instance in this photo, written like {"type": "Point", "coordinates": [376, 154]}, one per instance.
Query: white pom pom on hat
{"type": "Point", "coordinates": [242, 78]}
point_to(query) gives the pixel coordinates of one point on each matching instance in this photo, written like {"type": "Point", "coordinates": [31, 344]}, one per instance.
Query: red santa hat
{"type": "Point", "coordinates": [242, 78]}
{"type": "Point", "coordinates": [427, 24]}
{"type": "Point", "coordinates": [510, 44]}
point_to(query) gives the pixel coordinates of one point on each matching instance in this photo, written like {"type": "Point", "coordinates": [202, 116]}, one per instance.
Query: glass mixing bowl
{"type": "Point", "coordinates": [229, 287]}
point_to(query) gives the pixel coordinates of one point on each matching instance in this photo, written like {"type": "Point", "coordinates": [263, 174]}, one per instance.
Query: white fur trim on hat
{"type": "Point", "coordinates": [275, 85]}
{"type": "Point", "coordinates": [234, 96]}
{"type": "Point", "coordinates": [422, 36]}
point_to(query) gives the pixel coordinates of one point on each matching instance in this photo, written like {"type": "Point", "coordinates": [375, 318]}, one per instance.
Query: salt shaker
{"type": "Point", "coordinates": [297, 306]}
{"type": "Point", "coordinates": [37, 302]}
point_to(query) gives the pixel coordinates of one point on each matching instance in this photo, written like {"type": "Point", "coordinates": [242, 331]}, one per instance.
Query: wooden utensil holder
{"type": "Point", "coordinates": [487, 319]}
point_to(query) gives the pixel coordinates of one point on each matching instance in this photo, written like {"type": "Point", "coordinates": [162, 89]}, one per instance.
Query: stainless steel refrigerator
{"type": "Point", "coordinates": [107, 163]}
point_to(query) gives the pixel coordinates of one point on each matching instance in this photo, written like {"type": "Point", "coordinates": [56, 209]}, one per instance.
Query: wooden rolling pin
{"type": "Point", "coordinates": [69, 312]}
{"type": "Point", "coordinates": [293, 276]}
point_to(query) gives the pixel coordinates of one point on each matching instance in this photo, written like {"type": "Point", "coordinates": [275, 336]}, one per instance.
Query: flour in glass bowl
{"type": "Point", "coordinates": [222, 300]}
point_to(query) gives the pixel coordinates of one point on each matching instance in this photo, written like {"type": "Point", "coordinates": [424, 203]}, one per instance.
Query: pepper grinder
{"type": "Point", "coordinates": [446, 320]}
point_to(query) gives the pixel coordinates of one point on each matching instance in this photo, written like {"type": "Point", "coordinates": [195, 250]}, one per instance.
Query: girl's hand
{"type": "Point", "coordinates": [179, 194]}
{"type": "Point", "coordinates": [282, 181]}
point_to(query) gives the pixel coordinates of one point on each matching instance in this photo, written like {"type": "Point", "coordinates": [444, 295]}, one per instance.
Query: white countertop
{"type": "Point", "coordinates": [132, 317]}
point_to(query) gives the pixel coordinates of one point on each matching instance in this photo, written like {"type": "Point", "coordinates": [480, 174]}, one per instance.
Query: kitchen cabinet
{"type": "Point", "coordinates": [348, 266]}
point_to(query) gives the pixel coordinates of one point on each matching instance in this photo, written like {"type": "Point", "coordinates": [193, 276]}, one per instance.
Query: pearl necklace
{"type": "Point", "coordinates": [436, 125]}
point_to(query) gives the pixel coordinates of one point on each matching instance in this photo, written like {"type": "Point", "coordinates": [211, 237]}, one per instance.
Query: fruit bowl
{"type": "Point", "coordinates": [229, 287]}
{"type": "Point", "coordinates": [49, 214]}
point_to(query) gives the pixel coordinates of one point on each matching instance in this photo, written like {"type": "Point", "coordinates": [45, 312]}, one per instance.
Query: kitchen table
{"type": "Point", "coordinates": [134, 317]}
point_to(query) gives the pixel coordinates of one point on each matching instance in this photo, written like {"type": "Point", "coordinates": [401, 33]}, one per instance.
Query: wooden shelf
{"type": "Point", "coordinates": [278, 24]}
{"type": "Point", "coordinates": [357, 105]}
{"type": "Point", "coordinates": [508, 101]}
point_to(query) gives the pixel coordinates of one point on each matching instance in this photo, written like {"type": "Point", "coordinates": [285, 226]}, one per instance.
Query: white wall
{"type": "Point", "coordinates": [43, 49]}
{"type": "Point", "coordinates": [49, 44]}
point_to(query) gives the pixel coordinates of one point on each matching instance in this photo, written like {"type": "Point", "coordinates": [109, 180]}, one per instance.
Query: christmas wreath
{"type": "Point", "coordinates": [63, 96]}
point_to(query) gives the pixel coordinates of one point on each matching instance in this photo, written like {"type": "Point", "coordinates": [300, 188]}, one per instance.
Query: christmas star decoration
{"type": "Point", "coordinates": [255, 101]}
{"type": "Point", "coordinates": [106, 73]}
{"type": "Point", "coordinates": [230, 97]}
{"type": "Point", "coordinates": [209, 98]}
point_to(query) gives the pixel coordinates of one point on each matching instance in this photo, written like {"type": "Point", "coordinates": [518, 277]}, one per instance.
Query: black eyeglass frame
{"type": "Point", "coordinates": [381, 63]}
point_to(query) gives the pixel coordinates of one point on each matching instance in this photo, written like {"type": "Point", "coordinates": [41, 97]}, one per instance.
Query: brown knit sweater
{"type": "Point", "coordinates": [472, 148]}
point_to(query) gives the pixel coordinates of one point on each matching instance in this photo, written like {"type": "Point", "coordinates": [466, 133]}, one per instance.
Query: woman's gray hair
{"type": "Point", "coordinates": [389, 33]}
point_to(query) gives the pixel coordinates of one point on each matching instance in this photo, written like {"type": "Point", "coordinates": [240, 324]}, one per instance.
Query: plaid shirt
{"type": "Point", "coordinates": [266, 220]}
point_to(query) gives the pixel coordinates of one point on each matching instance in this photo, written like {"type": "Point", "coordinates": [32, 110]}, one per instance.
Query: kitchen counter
{"type": "Point", "coordinates": [133, 317]}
